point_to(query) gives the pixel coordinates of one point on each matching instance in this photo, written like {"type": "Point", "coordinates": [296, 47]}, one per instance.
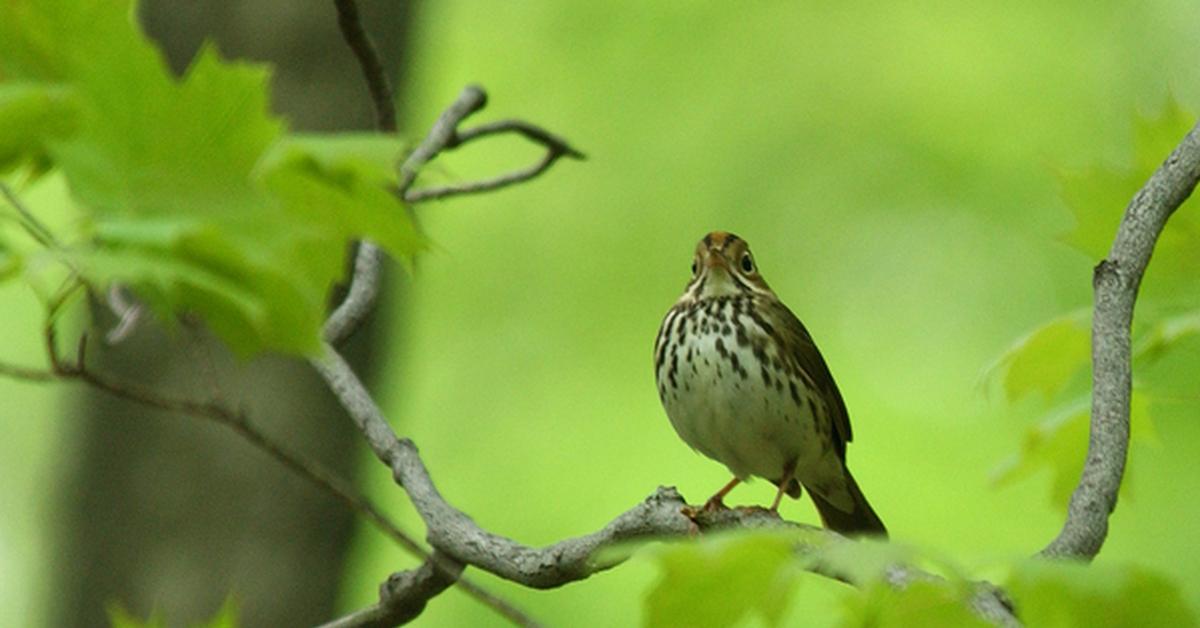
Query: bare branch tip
{"type": "Point", "coordinates": [475, 95]}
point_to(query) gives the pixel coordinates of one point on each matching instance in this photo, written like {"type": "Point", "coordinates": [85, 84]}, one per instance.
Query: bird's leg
{"type": "Point", "coordinates": [717, 501]}
{"type": "Point", "coordinates": [788, 470]}
{"type": "Point", "coordinates": [713, 504]}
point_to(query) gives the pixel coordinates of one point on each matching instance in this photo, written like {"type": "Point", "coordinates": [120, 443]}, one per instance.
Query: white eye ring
{"type": "Point", "coordinates": [695, 266]}
{"type": "Point", "coordinates": [747, 263]}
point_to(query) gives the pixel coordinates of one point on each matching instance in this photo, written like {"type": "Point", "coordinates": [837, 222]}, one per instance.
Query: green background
{"type": "Point", "coordinates": [893, 168]}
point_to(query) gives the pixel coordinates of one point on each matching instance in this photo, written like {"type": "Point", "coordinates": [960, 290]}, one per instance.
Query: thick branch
{"type": "Point", "coordinates": [1116, 281]}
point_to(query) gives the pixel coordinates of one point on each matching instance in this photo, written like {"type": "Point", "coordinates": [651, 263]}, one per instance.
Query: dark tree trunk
{"type": "Point", "coordinates": [173, 514]}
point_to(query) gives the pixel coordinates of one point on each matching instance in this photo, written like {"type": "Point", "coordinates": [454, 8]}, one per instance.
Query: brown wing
{"type": "Point", "coordinates": [803, 350]}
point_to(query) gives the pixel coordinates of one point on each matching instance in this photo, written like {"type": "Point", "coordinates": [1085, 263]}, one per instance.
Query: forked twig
{"type": "Point", "coordinates": [556, 147]}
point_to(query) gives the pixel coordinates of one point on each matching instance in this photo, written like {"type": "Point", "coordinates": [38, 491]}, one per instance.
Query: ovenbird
{"type": "Point", "coordinates": [744, 384]}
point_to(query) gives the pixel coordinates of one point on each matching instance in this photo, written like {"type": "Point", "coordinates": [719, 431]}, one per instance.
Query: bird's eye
{"type": "Point", "coordinates": [747, 263]}
{"type": "Point", "coordinates": [695, 266]}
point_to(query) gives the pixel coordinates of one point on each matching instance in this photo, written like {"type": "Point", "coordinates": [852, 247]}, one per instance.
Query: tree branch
{"type": "Point", "coordinates": [556, 147]}
{"type": "Point", "coordinates": [442, 135]}
{"type": "Point", "coordinates": [62, 370]}
{"type": "Point", "coordinates": [364, 282]}
{"type": "Point", "coordinates": [660, 515]}
{"type": "Point", "coordinates": [404, 595]}
{"type": "Point", "coordinates": [1116, 280]}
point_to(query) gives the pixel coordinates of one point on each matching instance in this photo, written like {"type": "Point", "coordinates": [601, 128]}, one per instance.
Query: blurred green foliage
{"type": "Point", "coordinates": [720, 580]}
{"type": "Point", "coordinates": [904, 173]}
{"type": "Point", "coordinates": [181, 190]}
{"type": "Point", "coordinates": [899, 170]}
{"type": "Point", "coordinates": [1065, 594]}
{"type": "Point", "coordinates": [1052, 358]}
{"type": "Point", "coordinates": [920, 604]}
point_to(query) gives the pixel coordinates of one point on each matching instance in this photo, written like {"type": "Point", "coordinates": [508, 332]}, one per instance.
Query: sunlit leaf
{"type": "Point", "coordinates": [1061, 594]}
{"type": "Point", "coordinates": [183, 196]}
{"type": "Point", "coordinates": [1044, 360]}
{"type": "Point", "coordinates": [723, 579]}
{"type": "Point", "coordinates": [373, 157]}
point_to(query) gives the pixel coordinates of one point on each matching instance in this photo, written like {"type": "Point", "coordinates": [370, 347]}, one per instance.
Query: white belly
{"type": "Point", "coordinates": [723, 405]}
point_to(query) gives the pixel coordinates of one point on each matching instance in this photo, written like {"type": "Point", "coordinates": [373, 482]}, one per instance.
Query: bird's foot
{"type": "Point", "coordinates": [714, 504]}
{"type": "Point", "coordinates": [748, 510]}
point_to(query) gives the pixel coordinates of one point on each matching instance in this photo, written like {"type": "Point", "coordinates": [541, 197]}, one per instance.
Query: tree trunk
{"type": "Point", "coordinates": [171, 514]}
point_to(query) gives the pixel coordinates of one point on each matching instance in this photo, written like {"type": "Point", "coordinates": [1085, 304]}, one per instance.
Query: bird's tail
{"type": "Point", "coordinates": [862, 521]}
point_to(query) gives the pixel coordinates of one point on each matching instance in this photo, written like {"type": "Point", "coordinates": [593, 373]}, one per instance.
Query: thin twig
{"type": "Point", "coordinates": [230, 418]}
{"type": "Point", "coordinates": [31, 224]}
{"type": "Point", "coordinates": [442, 134]}
{"type": "Point", "coordinates": [450, 138]}
{"type": "Point", "coordinates": [360, 297]}
{"type": "Point", "coordinates": [1116, 280]}
{"type": "Point", "coordinates": [368, 61]}
{"type": "Point", "coordinates": [485, 185]}
{"type": "Point", "coordinates": [29, 374]}
{"type": "Point", "coordinates": [364, 283]}
{"type": "Point", "coordinates": [531, 132]}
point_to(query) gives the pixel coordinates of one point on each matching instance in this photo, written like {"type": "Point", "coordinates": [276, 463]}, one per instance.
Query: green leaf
{"type": "Point", "coordinates": [1165, 334]}
{"type": "Point", "coordinates": [1044, 360]}
{"type": "Point", "coordinates": [1062, 594]}
{"type": "Point", "coordinates": [1058, 443]}
{"type": "Point", "coordinates": [373, 157]}
{"type": "Point", "coordinates": [722, 579]}
{"type": "Point", "coordinates": [189, 194]}
{"type": "Point", "coordinates": [923, 603]}
{"type": "Point", "coordinates": [348, 198]}
{"type": "Point", "coordinates": [31, 115]}
{"type": "Point", "coordinates": [1097, 197]}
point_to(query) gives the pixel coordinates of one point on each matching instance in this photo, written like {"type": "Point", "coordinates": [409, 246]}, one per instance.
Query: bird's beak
{"type": "Point", "coordinates": [714, 259]}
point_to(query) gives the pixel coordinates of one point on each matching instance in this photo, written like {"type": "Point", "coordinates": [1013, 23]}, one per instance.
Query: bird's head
{"type": "Point", "coordinates": [724, 266]}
